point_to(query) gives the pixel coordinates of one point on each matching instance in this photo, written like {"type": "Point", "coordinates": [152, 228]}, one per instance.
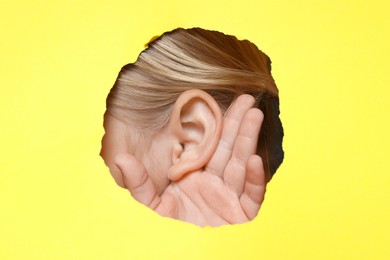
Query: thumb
{"type": "Point", "coordinates": [136, 180]}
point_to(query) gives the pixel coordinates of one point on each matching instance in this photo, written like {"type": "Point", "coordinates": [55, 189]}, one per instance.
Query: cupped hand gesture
{"type": "Point", "coordinates": [228, 190]}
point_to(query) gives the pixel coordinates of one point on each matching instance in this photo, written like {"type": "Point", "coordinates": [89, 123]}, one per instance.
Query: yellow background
{"type": "Point", "coordinates": [329, 200]}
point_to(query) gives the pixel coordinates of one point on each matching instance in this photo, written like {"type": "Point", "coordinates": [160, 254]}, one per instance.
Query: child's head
{"type": "Point", "coordinates": [142, 100]}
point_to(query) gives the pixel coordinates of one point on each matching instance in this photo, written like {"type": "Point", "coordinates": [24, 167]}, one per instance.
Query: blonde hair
{"type": "Point", "coordinates": [219, 64]}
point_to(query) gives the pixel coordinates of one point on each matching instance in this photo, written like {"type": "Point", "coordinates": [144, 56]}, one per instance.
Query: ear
{"type": "Point", "coordinates": [196, 124]}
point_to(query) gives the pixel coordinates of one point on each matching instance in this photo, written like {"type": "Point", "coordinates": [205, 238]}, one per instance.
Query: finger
{"type": "Point", "coordinates": [231, 126]}
{"type": "Point", "coordinates": [244, 147]}
{"type": "Point", "coordinates": [137, 180]}
{"type": "Point", "coordinates": [255, 185]}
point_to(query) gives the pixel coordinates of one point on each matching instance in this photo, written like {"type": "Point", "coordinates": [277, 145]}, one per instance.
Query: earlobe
{"type": "Point", "coordinates": [196, 124]}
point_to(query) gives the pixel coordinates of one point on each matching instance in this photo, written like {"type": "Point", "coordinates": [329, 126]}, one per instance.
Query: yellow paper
{"type": "Point", "coordinates": [330, 198]}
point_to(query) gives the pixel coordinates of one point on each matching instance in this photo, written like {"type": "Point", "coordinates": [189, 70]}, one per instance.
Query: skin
{"type": "Point", "coordinates": [229, 188]}
{"type": "Point", "coordinates": [116, 142]}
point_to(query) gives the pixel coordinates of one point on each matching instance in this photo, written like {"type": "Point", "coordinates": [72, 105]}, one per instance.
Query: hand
{"type": "Point", "coordinates": [230, 189]}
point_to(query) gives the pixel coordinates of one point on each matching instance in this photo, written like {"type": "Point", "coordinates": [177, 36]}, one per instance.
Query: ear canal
{"type": "Point", "coordinates": [196, 122]}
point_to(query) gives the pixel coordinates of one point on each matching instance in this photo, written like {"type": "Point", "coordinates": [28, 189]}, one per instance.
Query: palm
{"type": "Point", "coordinates": [204, 199]}
{"type": "Point", "coordinates": [230, 188]}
